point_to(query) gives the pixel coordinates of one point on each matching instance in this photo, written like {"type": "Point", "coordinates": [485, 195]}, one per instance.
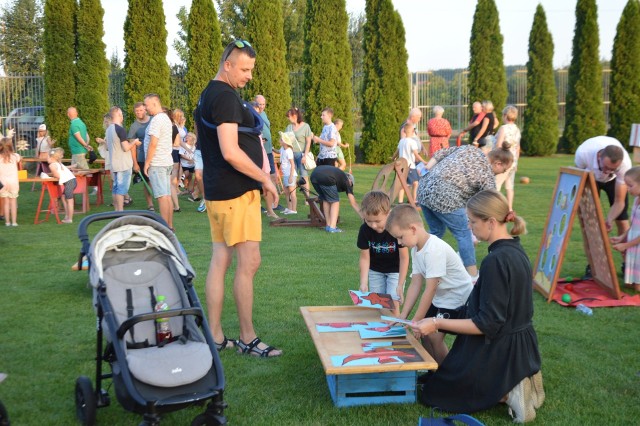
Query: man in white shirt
{"type": "Point", "coordinates": [158, 162]}
{"type": "Point", "coordinates": [609, 161]}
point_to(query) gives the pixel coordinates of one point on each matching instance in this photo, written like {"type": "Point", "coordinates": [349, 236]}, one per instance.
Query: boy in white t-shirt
{"type": "Point", "coordinates": [409, 149]}
{"type": "Point", "coordinates": [288, 169]}
{"type": "Point", "coordinates": [435, 263]}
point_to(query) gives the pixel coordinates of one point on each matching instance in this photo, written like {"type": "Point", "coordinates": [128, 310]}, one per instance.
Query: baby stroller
{"type": "Point", "coordinates": [133, 260]}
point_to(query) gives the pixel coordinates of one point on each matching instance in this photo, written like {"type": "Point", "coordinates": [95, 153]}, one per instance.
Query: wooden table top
{"type": "Point", "coordinates": [349, 342]}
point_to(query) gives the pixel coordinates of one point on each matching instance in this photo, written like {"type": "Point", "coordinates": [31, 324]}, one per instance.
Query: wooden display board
{"type": "Point", "coordinates": [575, 194]}
{"type": "Point", "coordinates": [351, 385]}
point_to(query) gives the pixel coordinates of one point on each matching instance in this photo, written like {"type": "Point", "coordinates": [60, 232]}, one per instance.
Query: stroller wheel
{"type": "Point", "coordinates": [207, 420]}
{"type": "Point", "coordinates": [86, 404]}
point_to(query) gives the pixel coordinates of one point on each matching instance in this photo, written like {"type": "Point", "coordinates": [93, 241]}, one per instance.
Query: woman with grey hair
{"type": "Point", "coordinates": [439, 130]}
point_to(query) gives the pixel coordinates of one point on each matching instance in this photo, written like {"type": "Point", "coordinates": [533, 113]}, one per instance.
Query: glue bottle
{"type": "Point", "coordinates": [163, 329]}
{"type": "Point", "coordinates": [584, 309]}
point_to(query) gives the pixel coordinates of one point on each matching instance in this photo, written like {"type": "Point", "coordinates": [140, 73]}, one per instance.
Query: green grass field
{"type": "Point", "coordinates": [590, 364]}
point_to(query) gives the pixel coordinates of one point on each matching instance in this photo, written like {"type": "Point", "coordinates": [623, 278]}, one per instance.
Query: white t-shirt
{"type": "Point", "coordinates": [587, 158]}
{"type": "Point", "coordinates": [44, 144]}
{"type": "Point", "coordinates": [160, 126]}
{"type": "Point", "coordinates": [438, 260]}
{"type": "Point", "coordinates": [406, 146]}
{"type": "Point", "coordinates": [189, 153]}
{"type": "Point", "coordinates": [329, 132]}
{"type": "Point", "coordinates": [286, 155]}
{"type": "Point", "coordinates": [512, 135]}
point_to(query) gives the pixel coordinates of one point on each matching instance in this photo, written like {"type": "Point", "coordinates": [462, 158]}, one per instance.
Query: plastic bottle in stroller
{"type": "Point", "coordinates": [163, 329]}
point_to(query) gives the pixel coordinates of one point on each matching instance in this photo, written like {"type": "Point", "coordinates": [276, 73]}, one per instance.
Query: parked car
{"type": "Point", "coordinates": [25, 121]}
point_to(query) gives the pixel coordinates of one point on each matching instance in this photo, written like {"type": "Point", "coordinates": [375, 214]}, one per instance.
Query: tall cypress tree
{"type": "Point", "coordinates": [625, 78]}
{"type": "Point", "coordinates": [21, 37]}
{"type": "Point", "coordinates": [204, 50]}
{"type": "Point", "coordinates": [59, 68]}
{"type": "Point", "coordinates": [386, 91]}
{"type": "Point", "coordinates": [92, 67]}
{"type": "Point", "coordinates": [265, 25]}
{"type": "Point", "coordinates": [327, 64]}
{"type": "Point", "coordinates": [294, 12]}
{"type": "Point", "coordinates": [540, 132]}
{"type": "Point", "coordinates": [487, 76]}
{"type": "Point", "coordinates": [145, 48]}
{"type": "Point", "coordinates": [584, 111]}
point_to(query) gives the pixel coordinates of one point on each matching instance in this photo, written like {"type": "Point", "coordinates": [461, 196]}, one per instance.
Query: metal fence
{"type": "Point", "coordinates": [447, 88]}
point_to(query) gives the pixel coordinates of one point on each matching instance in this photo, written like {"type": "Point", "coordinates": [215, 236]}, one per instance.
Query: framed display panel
{"type": "Point", "coordinates": [575, 194]}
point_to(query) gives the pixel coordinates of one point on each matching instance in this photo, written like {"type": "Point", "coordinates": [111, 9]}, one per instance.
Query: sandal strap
{"type": "Point", "coordinates": [224, 344]}
{"type": "Point", "coordinates": [248, 348]}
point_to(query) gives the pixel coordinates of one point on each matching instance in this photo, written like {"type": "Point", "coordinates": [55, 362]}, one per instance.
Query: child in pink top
{"type": "Point", "coordinates": [9, 162]}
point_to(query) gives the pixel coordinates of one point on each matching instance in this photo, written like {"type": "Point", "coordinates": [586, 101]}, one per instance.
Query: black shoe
{"type": "Point", "coordinates": [587, 273]}
{"type": "Point", "coordinates": [279, 208]}
{"type": "Point", "coordinates": [622, 268]}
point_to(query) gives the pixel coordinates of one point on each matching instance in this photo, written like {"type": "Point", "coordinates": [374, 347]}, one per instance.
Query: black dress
{"type": "Point", "coordinates": [480, 370]}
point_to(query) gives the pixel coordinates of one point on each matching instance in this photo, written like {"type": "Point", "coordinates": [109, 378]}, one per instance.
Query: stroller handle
{"type": "Point", "coordinates": [83, 234]}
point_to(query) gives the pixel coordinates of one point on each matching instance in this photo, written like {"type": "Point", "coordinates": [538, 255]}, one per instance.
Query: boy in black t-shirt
{"type": "Point", "coordinates": [383, 262]}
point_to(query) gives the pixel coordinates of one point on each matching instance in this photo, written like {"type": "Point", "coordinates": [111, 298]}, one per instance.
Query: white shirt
{"type": "Point", "coordinates": [285, 161]}
{"type": "Point", "coordinates": [160, 126]}
{"type": "Point", "coordinates": [587, 158]}
{"type": "Point", "coordinates": [406, 147]}
{"type": "Point", "coordinates": [438, 260]}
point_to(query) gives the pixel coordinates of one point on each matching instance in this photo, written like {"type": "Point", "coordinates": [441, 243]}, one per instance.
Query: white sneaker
{"type": "Point", "coordinates": [521, 402]}
{"type": "Point", "coordinates": [287, 211]}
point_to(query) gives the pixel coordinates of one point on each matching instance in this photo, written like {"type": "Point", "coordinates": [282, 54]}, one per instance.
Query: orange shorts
{"type": "Point", "coordinates": [237, 220]}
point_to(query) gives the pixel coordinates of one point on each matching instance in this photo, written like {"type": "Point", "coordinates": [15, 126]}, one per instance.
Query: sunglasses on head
{"type": "Point", "coordinates": [240, 44]}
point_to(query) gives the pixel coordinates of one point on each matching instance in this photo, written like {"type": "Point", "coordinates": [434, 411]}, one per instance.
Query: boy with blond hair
{"type": "Point", "coordinates": [383, 262]}
{"type": "Point", "coordinates": [447, 284]}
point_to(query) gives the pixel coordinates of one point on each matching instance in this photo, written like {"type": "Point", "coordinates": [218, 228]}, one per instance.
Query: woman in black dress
{"type": "Point", "coordinates": [495, 357]}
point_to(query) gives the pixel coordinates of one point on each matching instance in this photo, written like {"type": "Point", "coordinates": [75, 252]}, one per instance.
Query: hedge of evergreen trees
{"type": "Point", "coordinates": [540, 131]}
{"type": "Point", "coordinates": [328, 67]}
{"type": "Point", "coordinates": [386, 92]}
{"type": "Point", "coordinates": [584, 111]}
{"type": "Point", "coordinates": [92, 68]}
{"type": "Point", "coordinates": [487, 76]}
{"type": "Point", "coordinates": [145, 46]}
{"type": "Point", "coordinates": [204, 45]}
{"type": "Point", "coordinates": [265, 32]}
{"type": "Point", "coordinates": [59, 67]}
{"type": "Point", "coordinates": [76, 66]}
{"type": "Point", "coordinates": [624, 108]}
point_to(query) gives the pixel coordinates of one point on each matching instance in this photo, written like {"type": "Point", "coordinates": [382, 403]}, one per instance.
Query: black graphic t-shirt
{"type": "Point", "coordinates": [383, 249]}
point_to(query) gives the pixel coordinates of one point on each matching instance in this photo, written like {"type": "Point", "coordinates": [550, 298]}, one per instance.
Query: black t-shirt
{"type": "Point", "coordinates": [221, 104]}
{"type": "Point", "coordinates": [329, 176]}
{"type": "Point", "coordinates": [489, 129]}
{"type": "Point", "coordinates": [476, 129]}
{"type": "Point", "coordinates": [384, 256]}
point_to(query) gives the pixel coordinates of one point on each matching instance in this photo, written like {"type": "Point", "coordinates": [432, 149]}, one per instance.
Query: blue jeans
{"type": "Point", "coordinates": [385, 283]}
{"type": "Point", "coordinates": [458, 223]}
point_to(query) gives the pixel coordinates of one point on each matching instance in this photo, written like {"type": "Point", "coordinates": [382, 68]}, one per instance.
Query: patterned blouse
{"type": "Point", "coordinates": [459, 173]}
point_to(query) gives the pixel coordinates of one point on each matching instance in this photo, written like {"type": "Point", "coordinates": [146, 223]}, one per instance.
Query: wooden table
{"type": "Point", "coordinates": [50, 188]}
{"type": "Point", "coordinates": [366, 384]}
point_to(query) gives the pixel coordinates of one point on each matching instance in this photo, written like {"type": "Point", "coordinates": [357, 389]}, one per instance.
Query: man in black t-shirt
{"type": "Point", "coordinates": [232, 157]}
{"type": "Point", "coordinates": [328, 181]}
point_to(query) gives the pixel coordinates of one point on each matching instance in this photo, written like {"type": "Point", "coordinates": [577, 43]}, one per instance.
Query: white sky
{"type": "Point", "coordinates": [437, 31]}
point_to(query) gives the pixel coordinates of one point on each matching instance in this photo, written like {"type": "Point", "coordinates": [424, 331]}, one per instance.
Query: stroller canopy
{"type": "Point", "coordinates": [135, 234]}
